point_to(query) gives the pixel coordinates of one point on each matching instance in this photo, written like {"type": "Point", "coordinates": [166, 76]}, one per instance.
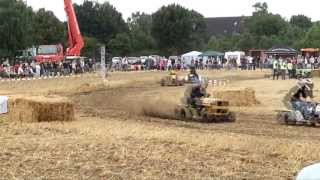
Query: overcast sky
{"type": "Point", "coordinates": [209, 8]}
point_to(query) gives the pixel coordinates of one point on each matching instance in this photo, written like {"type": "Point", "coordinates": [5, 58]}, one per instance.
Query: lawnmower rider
{"type": "Point", "coordinates": [193, 76]}
{"type": "Point", "coordinates": [299, 97]}
{"type": "Point", "coordinates": [194, 94]}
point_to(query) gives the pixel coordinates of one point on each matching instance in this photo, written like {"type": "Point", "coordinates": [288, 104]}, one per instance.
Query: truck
{"type": "Point", "coordinates": [56, 53]}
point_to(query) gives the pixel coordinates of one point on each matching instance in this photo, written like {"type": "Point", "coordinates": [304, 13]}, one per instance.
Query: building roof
{"type": "Point", "coordinates": [281, 50]}
{"type": "Point", "coordinates": [225, 25]}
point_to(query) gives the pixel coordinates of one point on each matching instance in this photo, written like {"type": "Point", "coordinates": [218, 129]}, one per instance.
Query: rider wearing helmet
{"type": "Point", "coordinates": [193, 76]}
{"type": "Point", "coordinates": [194, 93]}
{"type": "Point", "coordinates": [299, 97]}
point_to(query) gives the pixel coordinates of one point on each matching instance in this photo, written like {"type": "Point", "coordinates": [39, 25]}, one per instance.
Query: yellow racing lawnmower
{"type": "Point", "coordinates": [172, 80]}
{"type": "Point", "coordinates": [207, 110]}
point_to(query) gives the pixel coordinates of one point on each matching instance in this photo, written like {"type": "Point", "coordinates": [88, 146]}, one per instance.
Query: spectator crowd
{"type": "Point", "coordinates": [34, 69]}
{"type": "Point", "coordinates": [283, 68]}
{"type": "Point", "coordinates": [294, 67]}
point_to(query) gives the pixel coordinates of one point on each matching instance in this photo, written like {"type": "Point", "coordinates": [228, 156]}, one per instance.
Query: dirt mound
{"type": "Point", "coordinates": [244, 97]}
{"type": "Point", "coordinates": [39, 109]}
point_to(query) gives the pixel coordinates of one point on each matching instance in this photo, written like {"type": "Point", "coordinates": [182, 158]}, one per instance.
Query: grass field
{"type": "Point", "coordinates": [113, 139]}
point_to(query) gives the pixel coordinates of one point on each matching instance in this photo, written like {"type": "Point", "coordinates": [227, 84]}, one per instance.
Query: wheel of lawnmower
{"type": "Point", "coordinates": [183, 115]}
{"type": "Point", "coordinates": [283, 118]}
{"type": "Point", "coordinates": [313, 124]}
{"type": "Point", "coordinates": [162, 82]}
{"type": "Point", "coordinates": [232, 117]}
{"type": "Point", "coordinates": [205, 118]}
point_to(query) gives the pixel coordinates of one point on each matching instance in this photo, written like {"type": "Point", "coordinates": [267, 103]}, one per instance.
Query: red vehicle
{"type": "Point", "coordinates": [55, 53]}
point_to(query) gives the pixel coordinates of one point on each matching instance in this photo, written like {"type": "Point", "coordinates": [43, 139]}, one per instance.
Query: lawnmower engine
{"type": "Point", "coordinates": [310, 115]}
{"type": "Point", "coordinates": [215, 110]}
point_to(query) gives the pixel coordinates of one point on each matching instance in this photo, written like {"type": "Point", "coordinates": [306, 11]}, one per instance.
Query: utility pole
{"type": "Point", "coordinates": [103, 61]}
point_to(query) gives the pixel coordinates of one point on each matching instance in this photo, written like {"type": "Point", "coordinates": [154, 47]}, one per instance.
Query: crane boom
{"type": "Point", "coordinates": [75, 39]}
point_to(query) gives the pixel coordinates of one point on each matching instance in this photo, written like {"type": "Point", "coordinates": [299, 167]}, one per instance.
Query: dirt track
{"type": "Point", "coordinates": [112, 139]}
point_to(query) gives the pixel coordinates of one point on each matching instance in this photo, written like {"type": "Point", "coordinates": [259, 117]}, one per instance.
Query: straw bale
{"type": "Point", "coordinates": [39, 109]}
{"type": "Point", "coordinates": [315, 73]}
{"type": "Point", "coordinates": [244, 97]}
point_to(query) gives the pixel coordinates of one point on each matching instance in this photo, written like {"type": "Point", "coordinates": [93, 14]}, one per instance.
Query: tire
{"type": "Point", "coordinates": [162, 83]}
{"type": "Point", "coordinates": [283, 118]}
{"type": "Point", "coordinates": [205, 118]}
{"type": "Point", "coordinates": [232, 117]}
{"type": "Point", "coordinates": [314, 124]}
{"type": "Point", "coordinates": [183, 114]}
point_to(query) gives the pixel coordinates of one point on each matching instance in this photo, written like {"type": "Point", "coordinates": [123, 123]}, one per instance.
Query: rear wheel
{"type": "Point", "coordinates": [183, 114]}
{"type": "Point", "coordinates": [205, 118]}
{"type": "Point", "coordinates": [232, 117]}
{"type": "Point", "coordinates": [313, 124]}
{"type": "Point", "coordinates": [162, 82]}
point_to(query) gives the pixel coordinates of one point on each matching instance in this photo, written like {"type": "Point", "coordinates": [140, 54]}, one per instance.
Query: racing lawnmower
{"type": "Point", "coordinates": [207, 110]}
{"type": "Point", "coordinates": [310, 115]}
{"type": "Point", "coordinates": [172, 80]}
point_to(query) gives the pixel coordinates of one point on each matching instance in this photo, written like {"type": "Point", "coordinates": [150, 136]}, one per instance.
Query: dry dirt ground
{"type": "Point", "coordinates": [113, 139]}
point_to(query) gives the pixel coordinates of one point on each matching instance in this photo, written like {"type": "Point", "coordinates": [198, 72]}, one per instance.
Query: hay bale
{"type": "Point", "coordinates": [315, 73]}
{"type": "Point", "coordinates": [237, 97]}
{"type": "Point", "coordinates": [40, 109]}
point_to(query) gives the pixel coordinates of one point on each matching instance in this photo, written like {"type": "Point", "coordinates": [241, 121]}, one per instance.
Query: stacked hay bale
{"type": "Point", "coordinates": [40, 109]}
{"type": "Point", "coordinates": [244, 97]}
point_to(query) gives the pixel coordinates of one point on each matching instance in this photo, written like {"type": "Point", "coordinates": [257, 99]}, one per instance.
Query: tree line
{"type": "Point", "coordinates": [172, 30]}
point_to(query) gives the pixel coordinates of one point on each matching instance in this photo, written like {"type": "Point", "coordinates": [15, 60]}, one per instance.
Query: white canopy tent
{"type": "Point", "coordinates": [188, 57]}
{"type": "Point", "coordinates": [237, 55]}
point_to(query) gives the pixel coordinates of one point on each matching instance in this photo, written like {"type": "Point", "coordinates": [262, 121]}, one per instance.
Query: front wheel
{"type": "Point", "coordinates": [283, 118]}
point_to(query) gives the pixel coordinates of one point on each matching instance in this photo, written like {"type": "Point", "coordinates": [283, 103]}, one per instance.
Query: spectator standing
{"type": "Point", "coordinates": [312, 62]}
{"type": "Point", "coordinates": [275, 67]}
{"type": "Point", "coordinates": [38, 70]}
{"type": "Point", "coordinates": [169, 65]}
{"type": "Point", "coordinates": [283, 67]}
{"type": "Point", "coordinates": [20, 71]}
{"type": "Point", "coordinates": [290, 69]}
{"type": "Point", "coordinates": [250, 63]}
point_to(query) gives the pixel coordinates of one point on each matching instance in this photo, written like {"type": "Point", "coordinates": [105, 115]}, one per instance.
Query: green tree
{"type": "Point", "coordinates": [267, 25]}
{"type": "Point", "coordinates": [120, 45]}
{"type": "Point", "coordinates": [15, 27]}
{"type": "Point", "coordinates": [265, 29]}
{"type": "Point", "coordinates": [140, 25]}
{"type": "Point", "coordinates": [91, 47]}
{"type": "Point", "coordinates": [140, 22]}
{"type": "Point", "coordinates": [247, 41]}
{"type": "Point", "coordinates": [175, 29]}
{"type": "Point", "coordinates": [261, 9]}
{"type": "Point", "coordinates": [101, 21]}
{"type": "Point", "coordinates": [301, 21]}
{"type": "Point", "coordinates": [312, 38]}
{"type": "Point", "coordinates": [293, 36]}
{"type": "Point", "coordinates": [213, 44]}
{"type": "Point", "coordinates": [47, 29]}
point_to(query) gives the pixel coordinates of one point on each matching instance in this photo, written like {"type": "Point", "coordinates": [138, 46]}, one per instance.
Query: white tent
{"type": "Point", "coordinates": [188, 57]}
{"type": "Point", "coordinates": [235, 55]}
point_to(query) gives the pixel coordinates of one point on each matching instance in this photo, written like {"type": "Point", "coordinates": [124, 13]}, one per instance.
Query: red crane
{"type": "Point", "coordinates": [54, 53]}
{"type": "Point", "coordinates": [75, 39]}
